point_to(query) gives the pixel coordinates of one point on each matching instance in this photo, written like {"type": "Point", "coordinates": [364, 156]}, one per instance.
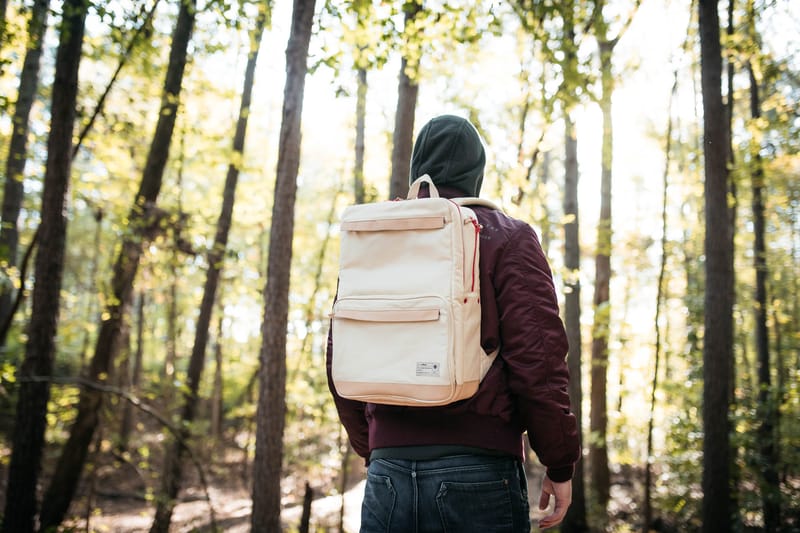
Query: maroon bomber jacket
{"type": "Point", "coordinates": [526, 387]}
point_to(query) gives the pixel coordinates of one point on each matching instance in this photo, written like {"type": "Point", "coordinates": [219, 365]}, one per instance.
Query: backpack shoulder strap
{"type": "Point", "coordinates": [468, 201]}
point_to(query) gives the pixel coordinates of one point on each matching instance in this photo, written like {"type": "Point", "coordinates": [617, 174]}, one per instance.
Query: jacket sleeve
{"type": "Point", "coordinates": [352, 413]}
{"type": "Point", "coordinates": [534, 348]}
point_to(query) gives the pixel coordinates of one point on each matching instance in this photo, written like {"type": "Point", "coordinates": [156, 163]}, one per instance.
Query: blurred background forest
{"type": "Point", "coordinates": [173, 171]}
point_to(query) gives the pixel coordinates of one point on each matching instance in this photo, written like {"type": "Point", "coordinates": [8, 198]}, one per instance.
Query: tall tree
{"type": "Point", "coordinates": [126, 422]}
{"type": "Point", "coordinates": [143, 221]}
{"type": "Point", "coordinates": [361, 114]}
{"type": "Point", "coordinates": [362, 13]}
{"type": "Point", "coordinates": [28, 437]}
{"type": "Point", "coordinates": [575, 519]}
{"type": "Point", "coordinates": [173, 469]}
{"type": "Point", "coordinates": [647, 504]}
{"type": "Point", "coordinates": [560, 45]}
{"type": "Point", "coordinates": [271, 412]}
{"type": "Point", "coordinates": [598, 412]}
{"type": "Point", "coordinates": [598, 415]}
{"type": "Point", "coordinates": [18, 146]}
{"type": "Point", "coordinates": [407, 92]}
{"type": "Point", "coordinates": [767, 401]}
{"type": "Point", "coordinates": [3, 9]}
{"type": "Point", "coordinates": [718, 330]}
{"type": "Point", "coordinates": [217, 395]}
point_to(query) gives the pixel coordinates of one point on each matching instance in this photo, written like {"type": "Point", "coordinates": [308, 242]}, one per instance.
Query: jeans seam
{"type": "Point", "coordinates": [413, 476]}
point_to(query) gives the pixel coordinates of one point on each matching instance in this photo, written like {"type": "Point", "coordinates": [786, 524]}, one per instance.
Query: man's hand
{"type": "Point", "coordinates": [562, 492]}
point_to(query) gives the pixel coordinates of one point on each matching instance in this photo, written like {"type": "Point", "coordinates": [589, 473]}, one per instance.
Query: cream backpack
{"type": "Point", "coordinates": [406, 321]}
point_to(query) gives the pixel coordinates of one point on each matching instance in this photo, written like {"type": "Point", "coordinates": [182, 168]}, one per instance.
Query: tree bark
{"type": "Point", "coordinates": [575, 520]}
{"type": "Point", "coordinates": [767, 400]}
{"type": "Point", "coordinates": [647, 505]}
{"type": "Point", "coordinates": [28, 436]}
{"type": "Point", "coordinates": [544, 221]}
{"type": "Point", "coordinates": [271, 410]}
{"type": "Point", "coordinates": [91, 282]}
{"type": "Point", "coordinates": [361, 113]}
{"type": "Point", "coordinates": [345, 469]}
{"type": "Point", "coordinates": [310, 309]}
{"type": "Point", "coordinates": [73, 456]}
{"type": "Point", "coordinates": [598, 414]}
{"type": "Point", "coordinates": [718, 338]}
{"type": "Point", "coordinates": [218, 395]}
{"type": "Point", "coordinates": [13, 190]}
{"type": "Point", "coordinates": [3, 9]}
{"type": "Point", "coordinates": [402, 137]}
{"type": "Point", "coordinates": [173, 462]}
{"type": "Point", "coordinates": [127, 419]}
{"type": "Point", "coordinates": [305, 518]}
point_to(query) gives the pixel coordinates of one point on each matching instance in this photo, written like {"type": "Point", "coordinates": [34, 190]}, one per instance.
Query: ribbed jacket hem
{"type": "Point", "coordinates": [416, 427]}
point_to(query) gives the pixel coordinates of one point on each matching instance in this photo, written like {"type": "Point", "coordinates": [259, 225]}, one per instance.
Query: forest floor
{"type": "Point", "coordinates": [119, 505]}
{"type": "Point", "coordinates": [116, 495]}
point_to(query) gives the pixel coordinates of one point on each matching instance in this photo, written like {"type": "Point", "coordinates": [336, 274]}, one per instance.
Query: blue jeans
{"type": "Point", "coordinates": [456, 494]}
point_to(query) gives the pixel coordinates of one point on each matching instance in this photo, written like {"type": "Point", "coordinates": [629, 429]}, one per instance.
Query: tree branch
{"type": "Point", "coordinates": [139, 404]}
{"type": "Point", "coordinates": [98, 110]}
{"type": "Point", "coordinates": [21, 292]}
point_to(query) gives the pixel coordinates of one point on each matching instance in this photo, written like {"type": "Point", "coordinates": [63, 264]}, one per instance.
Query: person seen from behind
{"type": "Point", "coordinates": [458, 468]}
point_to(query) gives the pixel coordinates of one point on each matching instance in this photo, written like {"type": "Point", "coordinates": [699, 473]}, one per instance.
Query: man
{"type": "Point", "coordinates": [458, 468]}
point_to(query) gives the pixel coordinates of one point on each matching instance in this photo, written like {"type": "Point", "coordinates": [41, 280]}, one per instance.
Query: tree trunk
{"type": "Point", "coordinates": [173, 462]}
{"type": "Point", "coordinates": [3, 6]}
{"type": "Point", "coordinates": [28, 436]}
{"type": "Point", "coordinates": [218, 395]}
{"type": "Point", "coordinates": [361, 113]}
{"type": "Point", "coordinates": [598, 414]}
{"type": "Point", "coordinates": [271, 410]}
{"type": "Point", "coordinates": [736, 470]}
{"type": "Point", "coordinates": [127, 419]}
{"type": "Point", "coordinates": [402, 137]}
{"type": "Point", "coordinates": [660, 289]}
{"type": "Point", "coordinates": [345, 469]}
{"type": "Point", "coordinates": [91, 282]}
{"type": "Point", "coordinates": [168, 385]}
{"type": "Point", "coordinates": [306, 347]}
{"type": "Point", "coordinates": [575, 520]}
{"type": "Point", "coordinates": [13, 191]}
{"type": "Point", "coordinates": [767, 401]}
{"type": "Point", "coordinates": [718, 338]}
{"type": "Point", "coordinates": [141, 220]}
{"type": "Point", "coordinates": [305, 518]}
{"type": "Point", "coordinates": [544, 222]}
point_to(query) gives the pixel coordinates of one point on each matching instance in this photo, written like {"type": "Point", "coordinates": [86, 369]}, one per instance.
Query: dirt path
{"type": "Point", "coordinates": [232, 509]}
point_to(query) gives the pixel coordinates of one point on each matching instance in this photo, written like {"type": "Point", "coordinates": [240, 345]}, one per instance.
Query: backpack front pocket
{"type": "Point", "coordinates": [392, 348]}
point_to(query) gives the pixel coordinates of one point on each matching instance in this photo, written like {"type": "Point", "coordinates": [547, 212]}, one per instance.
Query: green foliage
{"type": "Point", "coordinates": [509, 67]}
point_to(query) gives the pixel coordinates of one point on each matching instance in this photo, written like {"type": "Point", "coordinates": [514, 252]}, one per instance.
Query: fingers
{"type": "Point", "coordinates": [555, 517]}
{"type": "Point", "coordinates": [562, 492]}
{"type": "Point", "coordinates": [550, 521]}
{"type": "Point", "coordinates": [544, 500]}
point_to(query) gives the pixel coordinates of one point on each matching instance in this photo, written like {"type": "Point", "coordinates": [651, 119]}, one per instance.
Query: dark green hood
{"type": "Point", "coordinates": [449, 150]}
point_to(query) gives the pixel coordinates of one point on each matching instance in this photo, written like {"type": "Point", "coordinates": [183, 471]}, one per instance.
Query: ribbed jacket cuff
{"type": "Point", "coordinates": [560, 474]}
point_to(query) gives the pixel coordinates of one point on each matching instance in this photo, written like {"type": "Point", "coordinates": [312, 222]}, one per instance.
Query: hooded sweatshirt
{"type": "Point", "coordinates": [525, 390]}
{"type": "Point", "coordinates": [449, 150]}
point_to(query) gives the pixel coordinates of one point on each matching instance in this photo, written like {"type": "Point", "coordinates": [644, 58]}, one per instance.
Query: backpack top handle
{"type": "Point", "coordinates": [413, 191]}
